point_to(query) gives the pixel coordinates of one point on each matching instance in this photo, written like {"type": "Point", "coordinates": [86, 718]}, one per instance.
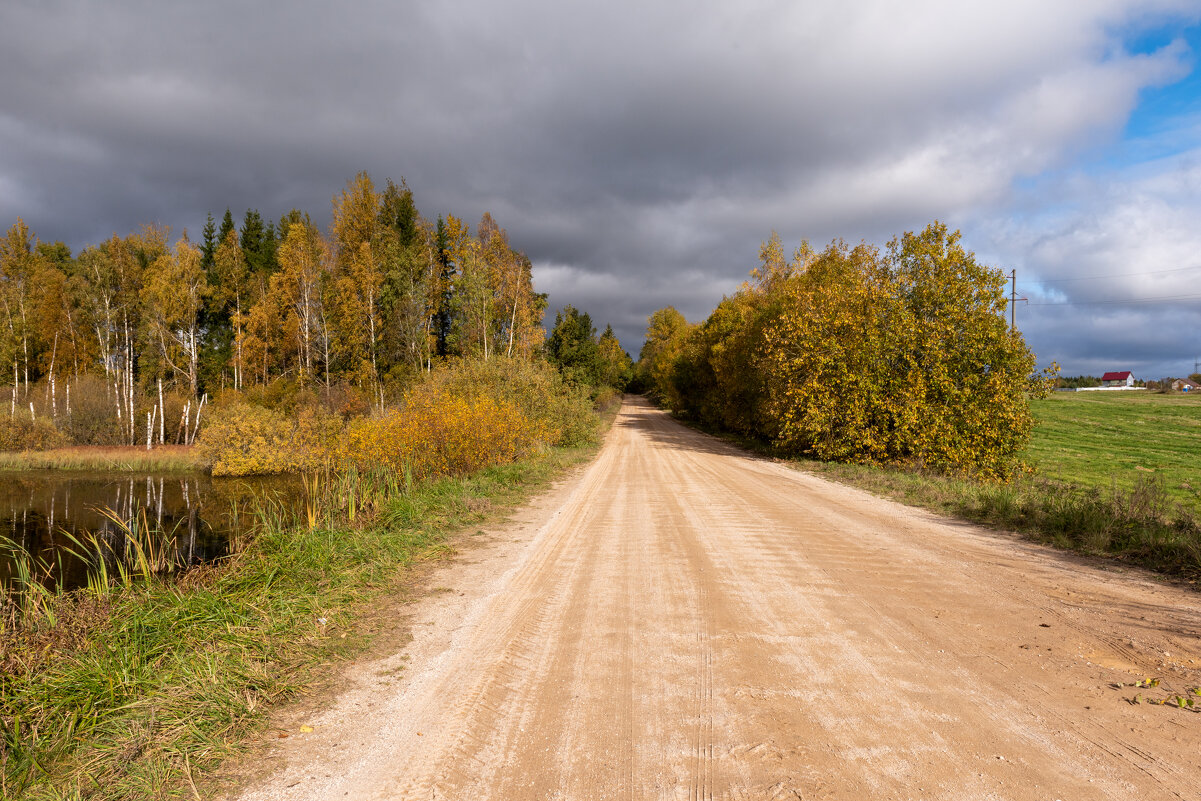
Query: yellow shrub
{"type": "Point", "coordinates": [243, 439]}
{"type": "Point", "coordinates": [860, 356]}
{"type": "Point", "coordinates": [21, 433]}
{"type": "Point", "coordinates": [536, 389]}
{"type": "Point", "coordinates": [459, 419]}
{"type": "Point", "coordinates": [440, 434]}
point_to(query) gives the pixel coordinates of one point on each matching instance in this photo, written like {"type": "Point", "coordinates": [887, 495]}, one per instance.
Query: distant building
{"type": "Point", "coordinates": [1184, 385]}
{"type": "Point", "coordinates": [1113, 382]}
{"type": "Point", "coordinates": [1125, 378]}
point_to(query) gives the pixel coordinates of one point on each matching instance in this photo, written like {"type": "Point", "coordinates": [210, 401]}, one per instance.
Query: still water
{"type": "Point", "coordinates": [197, 517]}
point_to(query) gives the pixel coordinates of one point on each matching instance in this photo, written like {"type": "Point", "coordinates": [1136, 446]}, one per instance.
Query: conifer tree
{"type": "Point", "coordinates": [208, 247]}
{"type": "Point", "coordinates": [616, 366]}
{"type": "Point", "coordinates": [254, 244]}
{"type": "Point", "coordinates": [227, 225]}
{"type": "Point", "coordinates": [445, 288]}
{"type": "Point", "coordinates": [572, 346]}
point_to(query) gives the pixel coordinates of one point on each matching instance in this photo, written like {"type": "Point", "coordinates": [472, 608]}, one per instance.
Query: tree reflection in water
{"type": "Point", "coordinates": [198, 518]}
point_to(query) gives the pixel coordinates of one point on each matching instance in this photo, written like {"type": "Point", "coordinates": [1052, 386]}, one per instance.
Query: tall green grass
{"type": "Point", "coordinates": [1117, 439]}
{"type": "Point", "coordinates": [138, 685]}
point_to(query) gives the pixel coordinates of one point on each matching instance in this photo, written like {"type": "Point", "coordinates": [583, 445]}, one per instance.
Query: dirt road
{"type": "Point", "coordinates": [683, 621]}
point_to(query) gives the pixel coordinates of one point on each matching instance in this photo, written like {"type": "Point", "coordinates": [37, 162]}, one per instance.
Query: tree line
{"type": "Point", "coordinates": [853, 354]}
{"type": "Point", "coordinates": [380, 296]}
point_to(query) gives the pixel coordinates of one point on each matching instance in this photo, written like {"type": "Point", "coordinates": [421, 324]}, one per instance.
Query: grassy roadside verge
{"type": "Point", "coordinates": [95, 458]}
{"type": "Point", "coordinates": [1142, 525]}
{"type": "Point", "coordinates": [1141, 522]}
{"type": "Point", "coordinates": [139, 691]}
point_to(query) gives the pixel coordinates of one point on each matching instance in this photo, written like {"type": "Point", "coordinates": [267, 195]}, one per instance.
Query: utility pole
{"type": "Point", "coordinates": [1013, 299]}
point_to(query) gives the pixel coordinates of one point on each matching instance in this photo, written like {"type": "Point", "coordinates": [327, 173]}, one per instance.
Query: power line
{"type": "Point", "coordinates": [1118, 275]}
{"type": "Point", "coordinates": [1118, 302]}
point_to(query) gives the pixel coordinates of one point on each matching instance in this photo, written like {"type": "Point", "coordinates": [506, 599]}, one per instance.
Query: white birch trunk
{"type": "Point", "coordinates": [162, 415]}
{"type": "Point", "coordinates": [199, 409]}
{"type": "Point", "coordinates": [182, 433]}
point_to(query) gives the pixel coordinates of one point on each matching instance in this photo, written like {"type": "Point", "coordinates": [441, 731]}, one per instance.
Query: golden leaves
{"type": "Point", "coordinates": [856, 355]}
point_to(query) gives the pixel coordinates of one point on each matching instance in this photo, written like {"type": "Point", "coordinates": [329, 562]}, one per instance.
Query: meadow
{"type": "Point", "coordinates": [1106, 439]}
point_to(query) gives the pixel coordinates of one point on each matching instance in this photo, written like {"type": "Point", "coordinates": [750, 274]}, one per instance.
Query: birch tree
{"type": "Point", "coordinates": [175, 292]}
{"type": "Point", "coordinates": [297, 288]}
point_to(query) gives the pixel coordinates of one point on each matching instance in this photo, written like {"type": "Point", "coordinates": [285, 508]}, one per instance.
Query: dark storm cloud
{"type": "Point", "coordinates": [637, 152]}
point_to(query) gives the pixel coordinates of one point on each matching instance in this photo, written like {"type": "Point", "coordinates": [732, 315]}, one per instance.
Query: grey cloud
{"type": "Point", "coordinates": [637, 152]}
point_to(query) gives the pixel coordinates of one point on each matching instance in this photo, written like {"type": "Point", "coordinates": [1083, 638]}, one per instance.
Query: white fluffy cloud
{"type": "Point", "coordinates": [1111, 261]}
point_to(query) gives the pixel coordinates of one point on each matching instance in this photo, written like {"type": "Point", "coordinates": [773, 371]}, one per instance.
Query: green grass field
{"type": "Point", "coordinates": [1106, 439]}
{"type": "Point", "coordinates": [1116, 475]}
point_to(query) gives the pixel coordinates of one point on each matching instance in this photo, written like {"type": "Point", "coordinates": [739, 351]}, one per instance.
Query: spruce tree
{"type": "Point", "coordinates": [442, 321]}
{"type": "Point", "coordinates": [227, 225]}
{"type": "Point", "coordinates": [209, 246]}
{"type": "Point", "coordinates": [572, 347]}
{"type": "Point", "coordinates": [399, 212]}
{"type": "Point", "coordinates": [251, 240]}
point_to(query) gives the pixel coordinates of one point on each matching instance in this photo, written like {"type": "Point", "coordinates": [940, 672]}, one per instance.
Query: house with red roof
{"type": "Point", "coordinates": [1125, 378]}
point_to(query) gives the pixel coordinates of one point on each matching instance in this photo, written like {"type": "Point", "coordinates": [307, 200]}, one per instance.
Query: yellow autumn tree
{"type": "Point", "coordinates": [358, 278]}
{"type": "Point", "coordinates": [297, 292]}
{"type": "Point", "coordinates": [515, 310]}
{"type": "Point", "coordinates": [823, 361]}
{"type": "Point", "coordinates": [175, 290]}
{"type": "Point", "coordinates": [666, 334]}
{"type": "Point", "coordinates": [18, 266]}
{"type": "Point", "coordinates": [856, 355]}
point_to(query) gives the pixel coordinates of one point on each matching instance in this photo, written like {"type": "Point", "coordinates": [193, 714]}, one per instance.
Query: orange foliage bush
{"type": "Point", "coordinates": [440, 434]}
{"type": "Point", "coordinates": [242, 439]}
{"type": "Point", "coordinates": [21, 433]}
{"type": "Point", "coordinates": [458, 419]}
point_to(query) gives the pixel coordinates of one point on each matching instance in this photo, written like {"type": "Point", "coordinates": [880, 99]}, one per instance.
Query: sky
{"type": "Point", "coordinates": [639, 152]}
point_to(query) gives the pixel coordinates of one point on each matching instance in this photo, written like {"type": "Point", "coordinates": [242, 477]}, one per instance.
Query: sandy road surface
{"type": "Point", "coordinates": [684, 622]}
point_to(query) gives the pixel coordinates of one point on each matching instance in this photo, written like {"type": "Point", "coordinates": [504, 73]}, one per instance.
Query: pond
{"type": "Point", "coordinates": [192, 518]}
